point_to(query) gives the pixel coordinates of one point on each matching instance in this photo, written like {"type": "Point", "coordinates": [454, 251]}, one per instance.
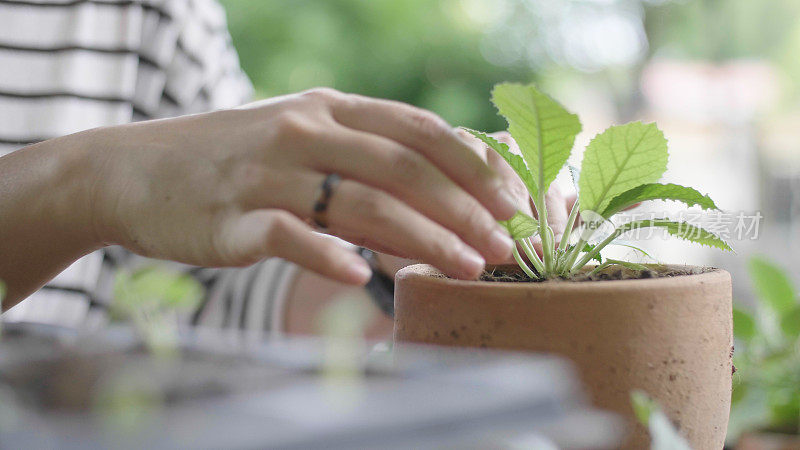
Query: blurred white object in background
{"type": "Point", "coordinates": [709, 112]}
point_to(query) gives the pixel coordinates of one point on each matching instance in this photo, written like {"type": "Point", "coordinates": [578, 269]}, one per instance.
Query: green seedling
{"type": "Point", "coordinates": [342, 325]}
{"type": "Point", "coordinates": [621, 167]}
{"type": "Point", "coordinates": [153, 298]}
{"type": "Point", "coordinates": [663, 434]}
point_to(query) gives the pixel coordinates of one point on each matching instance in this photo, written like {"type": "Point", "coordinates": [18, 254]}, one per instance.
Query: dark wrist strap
{"type": "Point", "coordinates": [381, 286]}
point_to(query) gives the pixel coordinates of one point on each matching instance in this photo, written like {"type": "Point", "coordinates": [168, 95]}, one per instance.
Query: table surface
{"type": "Point", "coordinates": [235, 392]}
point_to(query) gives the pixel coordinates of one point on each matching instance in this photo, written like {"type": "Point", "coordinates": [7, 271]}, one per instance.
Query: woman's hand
{"type": "Point", "coordinates": [232, 187]}
{"type": "Point", "coordinates": [558, 204]}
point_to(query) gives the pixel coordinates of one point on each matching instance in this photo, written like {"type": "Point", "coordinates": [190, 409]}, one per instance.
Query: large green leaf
{"type": "Point", "coordinates": [515, 161]}
{"type": "Point", "coordinates": [655, 191]}
{"type": "Point", "coordinates": [543, 129]}
{"type": "Point", "coordinates": [790, 323]}
{"type": "Point", "coordinates": [772, 285]}
{"type": "Point", "coordinates": [520, 226]}
{"type": "Point", "coordinates": [682, 230]}
{"type": "Point", "coordinates": [619, 159]}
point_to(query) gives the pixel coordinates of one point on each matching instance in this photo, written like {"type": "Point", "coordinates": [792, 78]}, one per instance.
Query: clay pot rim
{"type": "Point", "coordinates": [429, 274]}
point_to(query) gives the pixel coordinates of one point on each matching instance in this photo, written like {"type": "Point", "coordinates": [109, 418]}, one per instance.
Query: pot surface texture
{"type": "Point", "coordinates": [670, 337]}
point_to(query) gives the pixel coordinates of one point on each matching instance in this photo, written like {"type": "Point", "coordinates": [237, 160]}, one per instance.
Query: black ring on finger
{"type": "Point", "coordinates": [320, 211]}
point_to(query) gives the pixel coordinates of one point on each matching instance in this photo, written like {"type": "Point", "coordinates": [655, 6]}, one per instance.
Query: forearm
{"type": "Point", "coordinates": [230, 188]}
{"type": "Point", "coordinates": [45, 213]}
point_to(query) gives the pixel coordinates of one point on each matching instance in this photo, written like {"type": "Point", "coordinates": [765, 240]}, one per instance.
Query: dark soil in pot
{"type": "Point", "coordinates": [512, 274]}
{"type": "Point", "coordinates": [670, 335]}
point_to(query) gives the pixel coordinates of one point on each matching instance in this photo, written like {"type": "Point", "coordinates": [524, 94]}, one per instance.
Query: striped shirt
{"type": "Point", "coordinates": [71, 65]}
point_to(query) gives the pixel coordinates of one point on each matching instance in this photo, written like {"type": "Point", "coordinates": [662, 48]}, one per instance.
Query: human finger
{"type": "Point", "coordinates": [387, 165]}
{"type": "Point", "coordinates": [359, 210]}
{"type": "Point", "coordinates": [261, 233]}
{"type": "Point", "coordinates": [433, 138]}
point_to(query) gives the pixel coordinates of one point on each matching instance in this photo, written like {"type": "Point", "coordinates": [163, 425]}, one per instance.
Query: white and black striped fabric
{"type": "Point", "coordinates": [71, 65]}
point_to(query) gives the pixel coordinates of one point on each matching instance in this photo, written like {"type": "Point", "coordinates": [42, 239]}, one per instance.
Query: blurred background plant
{"type": "Point", "coordinates": [663, 433]}
{"type": "Point", "coordinates": [342, 325]}
{"type": "Point", "coordinates": [152, 298]}
{"type": "Point", "coordinates": [766, 391]}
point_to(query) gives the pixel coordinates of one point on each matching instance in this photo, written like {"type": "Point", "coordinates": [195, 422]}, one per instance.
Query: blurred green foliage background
{"type": "Point", "coordinates": [419, 51]}
{"type": "Point", "coordinates": [435, 53]}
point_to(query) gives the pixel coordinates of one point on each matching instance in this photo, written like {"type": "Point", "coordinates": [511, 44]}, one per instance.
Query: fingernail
{"type": "Point", "coordinates": [507, 203]}
{"type": "Point", "coordinates": [471, 263]}
{"type": "Point", "coordinates": [500, 244]}
{"type": "Point", "coordinates": [359, 271]}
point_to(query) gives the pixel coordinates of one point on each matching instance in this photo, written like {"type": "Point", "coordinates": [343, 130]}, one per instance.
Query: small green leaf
{"type": "Point", "coordinates": [628, 264]}
{"type": "Point", "coordinates": [155, 287]}
{"type": "Point", "coordinates": [744, 326]}
{"type": "Point", "coordinates": [679, 229]}
{"type": "Point", "coordinates": [790, 323]}
{"type": "Point", "coordinates": [183, 293]}
{"type": "Point", "coordinates": [588, 248]}
{"type": "Point", "coordinates": [2, 290]}
{"type": "Point", "coordinates": [520, 226]}
{"type": "Point", "coordinates": [643, 406]}
{"type": "Point", "coordinates": [543, 129]}
{"type": "Point", "coordinates": [619, 159]}
{"type": "Point", "coordinates": [772, 285]}
{"type": "Point", "coordinates": [663, 434]}
{"type": "Point", "coordinates": [655, 191]}
{"type": "Point", "coordinates": [632, 247]}
{"type": "Point", "coordinates": [515, 161]}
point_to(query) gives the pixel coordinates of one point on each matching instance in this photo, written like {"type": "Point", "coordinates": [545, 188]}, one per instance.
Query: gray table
{"type": "Point", "coordinates": [296, 394]}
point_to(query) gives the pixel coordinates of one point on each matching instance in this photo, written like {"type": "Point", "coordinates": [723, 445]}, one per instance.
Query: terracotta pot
{"type": "Point", "coordinates": [671, 337]}
{"type": "Point", "coordinates": [768, 441]}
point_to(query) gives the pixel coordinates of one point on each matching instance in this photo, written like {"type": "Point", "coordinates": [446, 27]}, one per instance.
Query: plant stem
{"type": "Point", "coordinates": [573, 214]}
{"type": "Point", "coordinates": [550, 249]}
{"type": "Point", "coordinates": [541, 210]}
{"type": "Point", "coordinates": [522, 264]}
{"type": "Point", "coordinates": [589, 255]}
{"type": "Point", "coordinates": [527, 246]}
{"type": "Point", "coordinates": [587, 234]}
{"type": "Point", "coordinates": [621, 229]}
{"type": "Point", "coordinates": [600, 267]}
{"type": "Point", "coordinates": [569, 260]}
